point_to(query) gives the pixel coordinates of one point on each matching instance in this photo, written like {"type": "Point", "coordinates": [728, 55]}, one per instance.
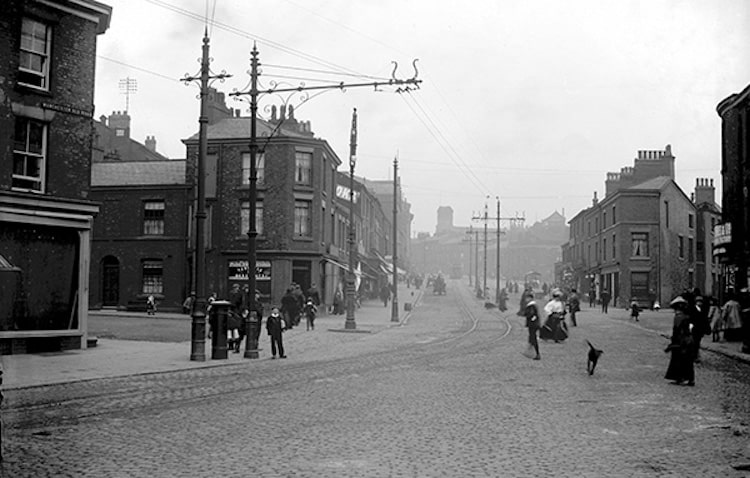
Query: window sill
{"type": "Point", "coordinates": [640, 258]}
{"type": "Point", "coordinates": [33, 89]}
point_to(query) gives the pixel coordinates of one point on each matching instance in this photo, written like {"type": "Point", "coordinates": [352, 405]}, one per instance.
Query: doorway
{"type": "Point", "coordinates": [110, 281]}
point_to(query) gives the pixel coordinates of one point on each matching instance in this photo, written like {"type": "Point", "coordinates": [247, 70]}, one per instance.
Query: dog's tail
{"type": "Point", "coordinates": [592, 347]}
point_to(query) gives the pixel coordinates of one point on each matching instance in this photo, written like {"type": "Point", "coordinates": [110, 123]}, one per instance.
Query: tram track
{"type": "Point", "coordinates": [66, 404]}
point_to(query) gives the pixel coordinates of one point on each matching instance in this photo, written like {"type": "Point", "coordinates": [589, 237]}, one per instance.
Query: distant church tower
{"type": "Point", "coordinates": [444, 220]}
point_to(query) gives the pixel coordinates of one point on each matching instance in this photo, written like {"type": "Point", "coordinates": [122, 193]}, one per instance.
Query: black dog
{"type": "Point", "coordinates": [594, 355]}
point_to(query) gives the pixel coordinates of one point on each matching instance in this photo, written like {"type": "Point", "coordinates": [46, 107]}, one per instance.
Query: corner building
{"type": "Point", "coordinates": [295, 208]}
{"type": "Point", "coordinates": [47, 65]}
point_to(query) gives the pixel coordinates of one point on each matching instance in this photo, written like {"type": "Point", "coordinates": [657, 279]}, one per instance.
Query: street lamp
{"type": "Point", "coordinates": [350, 322]}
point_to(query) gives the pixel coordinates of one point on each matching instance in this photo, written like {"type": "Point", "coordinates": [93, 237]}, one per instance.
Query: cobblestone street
{"type": "Point", "coordinates": [448, 393]}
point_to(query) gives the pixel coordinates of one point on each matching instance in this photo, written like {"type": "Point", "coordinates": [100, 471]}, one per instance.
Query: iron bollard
{"type": "Point", "coordinates": [198, 331]}
{"type": "Point", "coordinates": [219, 309]}
{"type": "Point", "coordinates": [251, 327]}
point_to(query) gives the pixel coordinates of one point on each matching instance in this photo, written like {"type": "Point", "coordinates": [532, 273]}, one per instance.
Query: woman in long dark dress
{"type": "Point", "coordinates": [555, 327]}
{"type": "Point", "coordinates": [681, 346]}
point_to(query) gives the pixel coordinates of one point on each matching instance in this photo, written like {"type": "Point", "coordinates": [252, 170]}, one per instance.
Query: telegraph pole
{"type": "Point", "coordinates": [351, 281]}
{"type": "Point", "coordinates": [497, 218]}
{"type": "Point", "coordinates": [394, 302]}
{"type": "Point", "coordinates": [470, 241]}
{"type": "Point", "coordinates": [198, 330]}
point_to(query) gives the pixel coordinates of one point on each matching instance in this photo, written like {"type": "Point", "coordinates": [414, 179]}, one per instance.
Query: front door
{"type": "Point", "coordinates": [110, 282]}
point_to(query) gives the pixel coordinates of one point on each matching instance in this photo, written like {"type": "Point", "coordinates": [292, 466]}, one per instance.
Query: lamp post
{"type": "Point", "coordinates": [251, 320]}
{"type": "Point", "coordinates": [350, 322]}
{"type": "Point", "coordinates": [198, 326]}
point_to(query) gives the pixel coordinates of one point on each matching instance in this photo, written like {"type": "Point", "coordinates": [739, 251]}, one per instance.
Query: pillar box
{"type": "Point", "coordinates": [218, 321]}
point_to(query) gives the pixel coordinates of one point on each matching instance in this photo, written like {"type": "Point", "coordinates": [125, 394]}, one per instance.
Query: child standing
{"type": "Point", "coordinates": [310, 312]}
{"type": "Point", "coordinates": [275, 327]}
{"type": "Point", "coordinates": [635, 311]}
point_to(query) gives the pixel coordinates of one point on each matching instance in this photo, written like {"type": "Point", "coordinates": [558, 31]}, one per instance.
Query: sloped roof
{"type": "Point", "coordinates": [138, 173]}
{"type": "Point", "coordinates": [239, 128]}
{"type": "Point", "coordinates": [656, 183]}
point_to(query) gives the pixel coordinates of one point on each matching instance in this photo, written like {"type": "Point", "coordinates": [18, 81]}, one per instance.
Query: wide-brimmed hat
{"type": "Point", "coordinates": [556, 293]}
{"type": "Point", "coordinates": [678, 301]}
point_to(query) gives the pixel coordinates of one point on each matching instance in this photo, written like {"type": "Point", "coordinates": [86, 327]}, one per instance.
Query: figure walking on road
{"type": "Point", "coordinates": [532, 323]}
{"type": "Point", "coordinates": [275, 331]}
{"type": "Point", "coordinates": [605, 300]}
{"type": "Point", "coordinates": [681, 345]}
{"type": "Point", "coordinates": [554, 327]}
{"type": "Point", "coordinates": [574, 305]}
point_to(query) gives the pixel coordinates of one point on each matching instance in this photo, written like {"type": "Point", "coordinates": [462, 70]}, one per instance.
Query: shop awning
{"type": "Point", "coordinates": [336, 263]}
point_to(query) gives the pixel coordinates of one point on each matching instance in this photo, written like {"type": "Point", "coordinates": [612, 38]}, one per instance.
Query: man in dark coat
{"type": "Point", "coordinates": [289, 308]}
{"type": "Point", "coordinates": [574, 305]}
{"type": "Point", "coordinates": [314, 295]}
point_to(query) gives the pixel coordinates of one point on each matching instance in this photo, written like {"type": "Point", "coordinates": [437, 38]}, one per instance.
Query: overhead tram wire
{"type": "Point", "coordinates": [245, 34]}
{"type": "Point", "coordinates": [313, 70]}
{"type": "Point", "coordinates": [472, 178]}
{"type": "Point", "coordinates": [476, 180]}
{"type": "Point", "coordinates": [138, 68]}
{"type": "Point", "coordinates": [440, 141]}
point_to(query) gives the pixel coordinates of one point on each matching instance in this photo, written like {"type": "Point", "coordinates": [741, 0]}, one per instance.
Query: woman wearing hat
{"type": "Point", "coordinates": [681, 346]}
{"type": "Point", "coordinates": [555, 327]}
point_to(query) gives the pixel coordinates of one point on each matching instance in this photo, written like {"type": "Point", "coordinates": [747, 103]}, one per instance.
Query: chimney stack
{"type": "Point", "coordinates": [150, 143]}
{"type": "Point", "coordinates": [704, 191]}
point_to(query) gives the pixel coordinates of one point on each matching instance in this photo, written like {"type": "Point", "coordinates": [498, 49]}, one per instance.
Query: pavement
{"type": "Point", "coordinates": [118, 358]}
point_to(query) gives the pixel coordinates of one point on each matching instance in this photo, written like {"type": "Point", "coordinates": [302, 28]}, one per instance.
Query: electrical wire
{"type": "Point", "coordinates": [313, 70]}
{"type": "Point", "coordinates": [144, 70]}
{"type": "Point", "coordinates": [440, 140]}
{"type": "Point", "coordinates": [456, 157]}
{"type": "Point", "coordinates": [245, 34]}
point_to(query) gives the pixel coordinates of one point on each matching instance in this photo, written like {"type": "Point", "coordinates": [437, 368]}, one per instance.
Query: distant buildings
{"type": "Point", "coordinates": [47, 64]}
{"type": "Point", "coordinates": [460, 251]}
{"type": "Point", "coordinates": [645, 240]}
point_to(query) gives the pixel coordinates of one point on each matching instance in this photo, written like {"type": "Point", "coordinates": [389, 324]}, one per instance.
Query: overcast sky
{"type": "Point", "coordinates": [531, 101]}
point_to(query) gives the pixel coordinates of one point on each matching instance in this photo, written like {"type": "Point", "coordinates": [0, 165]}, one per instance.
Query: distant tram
{"type": "Point", "coordinates": [456, 271]}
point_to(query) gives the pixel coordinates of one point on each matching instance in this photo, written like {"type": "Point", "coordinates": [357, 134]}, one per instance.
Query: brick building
{"type": "Point", "coordinates": [732, 243]}
{"type": "Point", "coordinates": [641, 240]}
{"type": "Point", "coordinates": [47, 65]}
{"type": "Point", "coordinates": [140, 239]}
{"type": "Point", "coordinates": [373, 231]}
{"type": "Point", "coordinates": [296, 216]}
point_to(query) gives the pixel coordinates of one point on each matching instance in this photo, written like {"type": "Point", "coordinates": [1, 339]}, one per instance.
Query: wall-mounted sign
{"type": "Point", "coordinates": [343, 193]}
{"type": "Point", "coordinates": [238, 270]}
{"type": "Point", "coordinates": [68, 109]}
{"type": "Point", "coordinates": [722, 234]}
